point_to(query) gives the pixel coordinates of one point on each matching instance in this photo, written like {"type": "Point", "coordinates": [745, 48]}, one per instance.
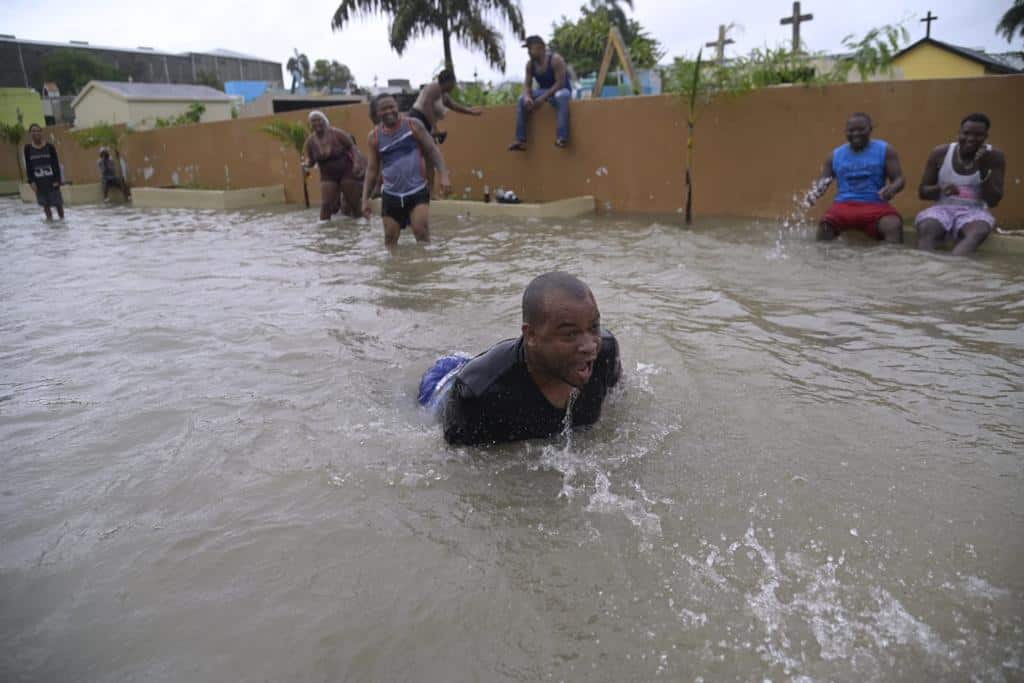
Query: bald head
{"type": "Point", "coordinates": [540, 289]}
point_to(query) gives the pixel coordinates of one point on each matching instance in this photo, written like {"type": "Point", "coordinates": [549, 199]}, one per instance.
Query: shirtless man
{"type": "Point", "coordinates": [399, 147]}
{"type": "Point", "coordinates": [433, 102]}
{"type": "Point", "coordinates": [964, 178]}
{"type": "Point", "coordinates": [431, 106]}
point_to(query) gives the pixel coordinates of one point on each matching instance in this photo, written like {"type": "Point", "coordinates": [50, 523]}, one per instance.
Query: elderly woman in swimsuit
{"type": "Point", "coordinates": [342, 167]}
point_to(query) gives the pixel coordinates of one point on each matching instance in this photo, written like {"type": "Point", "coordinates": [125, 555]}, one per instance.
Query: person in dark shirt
{"type": "Point", "coordinates": [43, 169]}
{"type": "Point", "coordinates": [564, 362]}
{"type": "Point", "coordinates": [109, 177]}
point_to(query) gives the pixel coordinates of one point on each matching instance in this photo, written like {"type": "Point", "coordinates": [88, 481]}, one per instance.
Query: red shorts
{"type": "Point", "coordinates": [859, 216]}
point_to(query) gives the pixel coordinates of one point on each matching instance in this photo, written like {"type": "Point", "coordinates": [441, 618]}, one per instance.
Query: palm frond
{"type": "Point", "coordinates": [1012, 22]}
{"type": "Point", "coordinates": [290, 133]}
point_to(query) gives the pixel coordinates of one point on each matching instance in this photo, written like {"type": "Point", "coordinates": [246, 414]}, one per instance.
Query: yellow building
{"type": "Point", "coordinates": [140, 104]}
{"type": "Point", "coordinates": [930, 58]}
{"type": "Point", "coordinates": [22, 104]}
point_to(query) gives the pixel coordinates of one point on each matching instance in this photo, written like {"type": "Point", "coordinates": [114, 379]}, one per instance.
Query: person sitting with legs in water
{"type": "Point", "coordinates": [399, 147]}
{"type": "Point", "coordinates": [862, 167]}
{"type": "Point", "coordinates": [109, 177]}
{"type": "Point", "coordinates": [564, 362]}
{"type": "Point", "coordinates": [342, 167]}
{"type": "Point", "coordinates": [552, 76]}
{"type": "Point", "coordinates": [44, 175]}
{"type": "Point", "coordinates": [964, 178]}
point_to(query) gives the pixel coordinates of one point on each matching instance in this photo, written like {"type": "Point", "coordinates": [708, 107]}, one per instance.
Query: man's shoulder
{"type": "Point", "coordinates": [487, 369]}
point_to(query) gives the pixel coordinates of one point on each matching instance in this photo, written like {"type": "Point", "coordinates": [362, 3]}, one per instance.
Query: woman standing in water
{"type": "Point", "coordinates": [342, 167]}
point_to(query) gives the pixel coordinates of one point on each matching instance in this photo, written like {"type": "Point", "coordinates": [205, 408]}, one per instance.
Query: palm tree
{"type": "Point", "coordinates": [617, 16]}
{"type": "Point", "coordinates": [298, 67]}
{"type": "Point", "coordinates": [291, 134]}
{"type": "Point", "coordinates": [13, 134]}
{"type": "Point", "coordinates": [467, 21]}
{"type": "Point", "coordinates": [1012, 22]}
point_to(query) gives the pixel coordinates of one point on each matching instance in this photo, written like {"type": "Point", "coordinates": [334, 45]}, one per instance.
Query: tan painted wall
{"type": "Point", "coordinates": [98, 106]}
{"type": "Point", "coordinates": [753, 153]}
{"type": "Point", "coordinates": [929, 61]}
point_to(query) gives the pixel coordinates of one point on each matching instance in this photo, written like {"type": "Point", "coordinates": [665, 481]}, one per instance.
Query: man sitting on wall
{"type": "Point", "coordinates": [964, 178]}
{"type": "Point", "coordinates": [552, 75]}
{"type": "Point", "coordinates": [862, 167]}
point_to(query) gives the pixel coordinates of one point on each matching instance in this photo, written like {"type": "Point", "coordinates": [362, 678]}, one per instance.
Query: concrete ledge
{"type": "Point", "coordinates": [87, 193]}
{"type": "Point", "coordinates": [181, 198]}
{"type": "Point", "coordinates": [994, 244]}
{"type": "Point", "coordinates": [562, 208]}
{"type": "Point", "coordinates": [9, 187]}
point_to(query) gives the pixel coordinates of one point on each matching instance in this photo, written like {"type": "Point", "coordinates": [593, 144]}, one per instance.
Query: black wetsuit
{"type": "Point", "coordinates": [493, 398]}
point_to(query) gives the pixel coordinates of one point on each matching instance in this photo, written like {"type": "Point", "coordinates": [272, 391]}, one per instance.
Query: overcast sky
{"type": "Point", "coordinates": [272, 30]}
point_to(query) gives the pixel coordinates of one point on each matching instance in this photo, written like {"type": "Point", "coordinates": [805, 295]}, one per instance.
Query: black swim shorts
{"type": "Point", "coordinates": [421, 117]}
{"type": "Point", "coordinates": [400, 209]}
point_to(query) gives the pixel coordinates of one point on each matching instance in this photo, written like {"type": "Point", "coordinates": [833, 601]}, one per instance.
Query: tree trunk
{"type": "Point", "coordinates": [120, 173]}
{"type": "Point", "coordinates": [689, 173]}
{"type": "Point", "coordinates": [18, 154]}
{"type": "Point", "coordinates": [305, 189]}
{"type": "Point", "coordinates": [447, 40]}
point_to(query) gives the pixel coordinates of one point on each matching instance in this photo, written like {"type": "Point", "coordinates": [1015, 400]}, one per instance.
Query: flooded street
{"type": "Point", "coordinates": [213, 467]}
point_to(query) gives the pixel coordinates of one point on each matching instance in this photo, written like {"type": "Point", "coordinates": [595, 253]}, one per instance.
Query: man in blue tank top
{"type": "Point", "coordinates": [399, 147]}
{"type": "Point", "coordinates": [869, 175]}
{"type": "Point", "coordinates": [552, 76]}
{"type": "Point", "coordinates": [964, 179]}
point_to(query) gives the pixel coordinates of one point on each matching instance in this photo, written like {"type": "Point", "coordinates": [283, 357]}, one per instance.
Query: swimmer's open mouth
{"type": "Point", "coordinates": [583, 370]}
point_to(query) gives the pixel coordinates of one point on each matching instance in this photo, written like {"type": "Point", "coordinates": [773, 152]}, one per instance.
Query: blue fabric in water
{"type": "Point", "coordinates": [437, 380]}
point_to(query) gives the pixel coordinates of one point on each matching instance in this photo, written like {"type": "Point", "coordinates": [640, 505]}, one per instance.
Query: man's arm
{"type": "Point", "coordinates": [460, 108]}
{"type": "Point", "coordinates": [929, 189]}
{"type": "Point", "coordinates": [372, 164]}
{"type": "Point", "coordinates": [28, 169]}
{"type": "Point", "coordinates": [461, 417]}
{"type": "Point", "coordinates": [820, 185]}
{"type": "Point", "coordinates": [55, 166]}
{"type": "Point", "coordinates": [894, 172]}
{"type": "Point", "coordinates": [992, 166]}
{"type": "Point", "coordinates": [559, 65]}
{"type": "Point", "coordinates": [614, 370]}
{"type": "Point", "coordinates": [431, 151]}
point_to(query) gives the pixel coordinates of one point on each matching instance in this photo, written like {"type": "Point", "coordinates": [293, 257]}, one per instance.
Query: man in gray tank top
{"type": "Point", "coordinates": [399, 147]}
{"type": "Point", "coordinates": [964, 178]}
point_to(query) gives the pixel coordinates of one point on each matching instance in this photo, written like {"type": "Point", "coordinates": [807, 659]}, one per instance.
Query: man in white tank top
{"type": "Point", "coordinates": [965, 179]}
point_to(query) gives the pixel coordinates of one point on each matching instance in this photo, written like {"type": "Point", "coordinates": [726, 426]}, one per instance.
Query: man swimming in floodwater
{"type": "Point", "coordinates": [964, 178]}
{"type": "Point", "coordinates": [862, 167]}
{"type": "Point", "coordinates": [521, 388]}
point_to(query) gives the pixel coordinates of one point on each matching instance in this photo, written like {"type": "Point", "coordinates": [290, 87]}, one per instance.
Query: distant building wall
{"type": "Point", "coordinates": [929, 61]}
{"type": "Point", "coordinates": [24, 101]}
{"type": "Point", "coordinates": [101, 106]}
{"type": "Point", "coordinates": [753, 153]}
{"type": "Point", "coordinates": [22, 64]}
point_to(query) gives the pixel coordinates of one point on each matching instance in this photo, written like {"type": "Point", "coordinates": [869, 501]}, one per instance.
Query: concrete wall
{"type": "Point", "coordinates": [753, 153]}
{"type": "Point", "coordinates": [929, 61]}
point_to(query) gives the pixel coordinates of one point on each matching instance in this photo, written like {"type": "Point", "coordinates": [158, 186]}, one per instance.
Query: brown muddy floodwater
{"type": "Point", "coordinates": [213, 467]}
